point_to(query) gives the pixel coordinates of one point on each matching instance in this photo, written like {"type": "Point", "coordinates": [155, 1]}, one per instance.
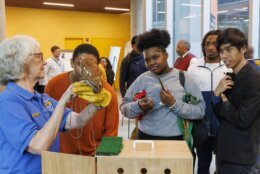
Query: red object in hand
{"type": "Point", "coordinates": [140, 95]}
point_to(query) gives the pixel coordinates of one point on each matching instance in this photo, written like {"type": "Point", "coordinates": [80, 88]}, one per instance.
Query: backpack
{"type": "Point", "coordinates": [201, 127]}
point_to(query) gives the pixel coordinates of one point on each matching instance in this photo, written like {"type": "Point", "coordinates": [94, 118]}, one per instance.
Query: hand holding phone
{"type": "Point", "coordinates": [228, 92]}
{"type": "Point", "coordinates": [230, 74]}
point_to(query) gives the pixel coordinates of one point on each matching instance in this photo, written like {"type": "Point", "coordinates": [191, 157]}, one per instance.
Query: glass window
{"type": "Point", "coordinates": [233, 13]}
{"type": "Point", "coordinates": [159, 13]}
{"type": "Point", "coordinates": [187, 24]}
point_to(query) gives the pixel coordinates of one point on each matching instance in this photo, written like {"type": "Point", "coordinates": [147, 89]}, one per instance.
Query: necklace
{"type": "Point", "coordinates": [79, 132]}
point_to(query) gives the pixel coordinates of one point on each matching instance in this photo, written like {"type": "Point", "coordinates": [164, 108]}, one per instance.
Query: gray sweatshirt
{"type": "Point", "coordinates": [161, 120]}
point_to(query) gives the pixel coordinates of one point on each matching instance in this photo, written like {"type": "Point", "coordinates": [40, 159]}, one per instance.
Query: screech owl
{"type": "Point", "coordinates": [91, 73]}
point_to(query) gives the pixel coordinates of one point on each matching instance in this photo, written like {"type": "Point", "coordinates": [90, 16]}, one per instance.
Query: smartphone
{"type": "Point", "coordinates": [161, 83]}
{"type": "Point", "coordinates": [228, 92]}
{"type": "Point", "coordinates": [232, 75]}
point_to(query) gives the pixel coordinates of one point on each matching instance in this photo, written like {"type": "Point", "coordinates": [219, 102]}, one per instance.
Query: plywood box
{"type": "Point", "coordinates": [167, 157]}
{"type": "Point", "coordinates": [60, 163]}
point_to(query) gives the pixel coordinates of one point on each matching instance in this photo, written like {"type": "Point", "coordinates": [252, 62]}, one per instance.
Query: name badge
{"type": "Point", "coordinates": [37, 114]}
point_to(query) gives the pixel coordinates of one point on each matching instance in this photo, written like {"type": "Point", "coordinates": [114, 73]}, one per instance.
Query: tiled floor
{"type": "Point", "coordinates": [126, 126]}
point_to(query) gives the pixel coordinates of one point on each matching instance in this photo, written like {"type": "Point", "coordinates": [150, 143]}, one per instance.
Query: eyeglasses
{"type": "Point", "coordinates": [38, 55]}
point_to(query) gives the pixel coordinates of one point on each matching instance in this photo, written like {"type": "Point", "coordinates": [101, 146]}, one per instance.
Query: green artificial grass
{"type": "Point", "coordinates": [110, 146]}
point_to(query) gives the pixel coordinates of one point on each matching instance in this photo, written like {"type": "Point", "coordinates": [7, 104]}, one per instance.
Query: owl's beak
{"type": "Point", "coordinates": [96, 89]}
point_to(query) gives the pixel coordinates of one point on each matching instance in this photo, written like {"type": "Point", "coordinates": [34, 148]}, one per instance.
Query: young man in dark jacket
{"type": "Point", "coordinates": [207, 72]}
{"type": "Point", "coordinates": [239, 107]}
{"type": "Point", "coordinates": [132, 66]}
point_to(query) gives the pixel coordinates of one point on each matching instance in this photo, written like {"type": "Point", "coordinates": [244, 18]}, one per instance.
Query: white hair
{"type": "Point", "coordinates": [14, 55]}
{"type": "Point", "coordinates": [186, 43]}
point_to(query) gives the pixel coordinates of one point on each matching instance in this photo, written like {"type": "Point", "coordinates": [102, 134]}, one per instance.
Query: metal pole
{"type": "Point", "coordinates": [2, 20]}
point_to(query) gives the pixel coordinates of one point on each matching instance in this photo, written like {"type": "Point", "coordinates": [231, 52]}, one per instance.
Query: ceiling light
{"type": "Point", "coordinates": [161, 12]}
{"type": "Point", "coordinates": [158, 1]}
{"type": "Point", "coordinates": [191, 5]}
{"type": "Point", "coordinates": [190, 16]}
{"type": "Point", "coordinates": [223, 11]}
{"type": "Point", "coordinates": [58, 4]}
{"type": "Point", "coordinates": [241, 9]}
{"type": "Point", "coordinates": [117, 9]}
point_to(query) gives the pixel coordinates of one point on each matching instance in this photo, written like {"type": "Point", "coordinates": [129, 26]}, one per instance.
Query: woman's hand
{"type": "Point", "coordinates": [67, 95]}
{"type": "Point", "coordinates": [223, 85]}
{"type": "Point", "coordinates": [167, 98]}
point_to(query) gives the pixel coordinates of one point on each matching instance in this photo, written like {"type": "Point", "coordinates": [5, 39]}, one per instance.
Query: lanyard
{"type": "Point", "coordinates": [56, 61]}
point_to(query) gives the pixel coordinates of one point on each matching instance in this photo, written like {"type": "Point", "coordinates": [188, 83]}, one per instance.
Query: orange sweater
{"type": "Point", "coordinates": [103, 123]}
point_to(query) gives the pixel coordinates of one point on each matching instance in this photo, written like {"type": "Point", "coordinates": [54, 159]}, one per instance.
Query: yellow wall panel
{"type": "Point", "coordinates": [72, 43]}
{"type": "Point", "coordinates": [57, 27]}
{"type": "Point", "coordinates": [51, 27]}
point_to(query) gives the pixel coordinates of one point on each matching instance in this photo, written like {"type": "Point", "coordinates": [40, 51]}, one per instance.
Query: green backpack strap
{"type": "Point", "coordinates": [185, 125]}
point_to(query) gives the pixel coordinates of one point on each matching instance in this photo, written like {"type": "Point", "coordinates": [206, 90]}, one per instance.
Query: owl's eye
{"type": "Point", "coordinates": [87, 72]}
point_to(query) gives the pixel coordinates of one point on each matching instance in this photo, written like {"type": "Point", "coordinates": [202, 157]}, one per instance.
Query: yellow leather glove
{"type": "Point", "coordinates": [85, 92]}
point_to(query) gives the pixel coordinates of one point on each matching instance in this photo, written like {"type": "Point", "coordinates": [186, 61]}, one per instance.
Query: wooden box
{"type": "Point", "coordinates": [166, 157]}
{"type": "Point", "coordinates": [60, 163]}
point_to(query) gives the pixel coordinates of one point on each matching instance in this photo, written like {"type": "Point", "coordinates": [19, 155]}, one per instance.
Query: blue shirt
{"type": "Point", "coordinates": [253, 64]}
{"type": "Point", "coordinates": [22, 114]}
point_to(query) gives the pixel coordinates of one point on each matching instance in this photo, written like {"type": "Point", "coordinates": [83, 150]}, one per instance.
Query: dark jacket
{"type": "Point", "coordinates": [132, 66]}
{"type": "Point", "coordinates": [238, 134]}
{"type": "Point", "coordinates": [110, 76]}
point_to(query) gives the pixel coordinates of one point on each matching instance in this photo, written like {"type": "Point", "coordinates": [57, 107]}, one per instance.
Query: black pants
{"type": "Point", "coordinates": [143, 136]}
{"type": "Point", "coordinates": [204, 154]}
{"type": "Point", "coordinates": [224, 167]}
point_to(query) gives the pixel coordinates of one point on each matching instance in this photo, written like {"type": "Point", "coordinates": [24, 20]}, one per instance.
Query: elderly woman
{"type": "Point", "coordinates": [30, 121]}
{"type": "Point", "coordinates": [163, 104]}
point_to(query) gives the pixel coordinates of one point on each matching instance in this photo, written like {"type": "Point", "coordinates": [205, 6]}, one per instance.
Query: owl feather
{"type": "Point", "coordinates": [91, 73]}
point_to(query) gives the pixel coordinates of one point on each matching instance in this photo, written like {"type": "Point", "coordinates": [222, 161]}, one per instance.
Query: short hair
{"type": "Point", "coordinates": [232, 36]}
{"type": "Point", "coordinates": [14, 55]}
{"type": "Point", "coordinates": [54, 48]}
{"type": "Point", "coordinates": [186, 43]}
{"type": "Point", "coordinates": [85, 48]}
{"type": "Point", "coordinates": [249, 52]}
{"type": "Point", "coordinates": [154, 38]}
{"type": "Point", "coordinates": [210, 33]}
{"type": "Point", "coordinates": [109, 66]}
{"type": "Point", "coordinates": [133, 40]}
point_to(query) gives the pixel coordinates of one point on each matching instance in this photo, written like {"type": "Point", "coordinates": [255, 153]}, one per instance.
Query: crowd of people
{"type": "Point", "coordinates": [51, 115]}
